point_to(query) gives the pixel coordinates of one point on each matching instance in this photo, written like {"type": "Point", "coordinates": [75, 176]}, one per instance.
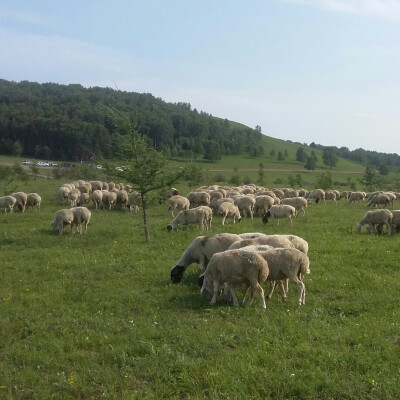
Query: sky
{"type": "Point", "coordinates": [323, 71]}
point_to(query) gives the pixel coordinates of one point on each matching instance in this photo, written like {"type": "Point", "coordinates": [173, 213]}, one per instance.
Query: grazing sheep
{"type": "Point", "coordinates": [81, 217]}
{"type": "Point", "coordinates": [21, 198]}
{"type": "Point", "coordinates": [33, 200]}
{"type": "Point", "coordinates": [263, 203]}
{"type": "Point", "coordinates": [61, 219]}
{"type": "Point", "coordinates": [245, 205]}
{"type": "Point", "coordinates": [166, 194]}
{"type": "Point", "coordinates": [208, 216]}
{"type": "Point", "coordinates": [192, 216]}
{"type": "Point", "coordinates": [316, 196]}
{"type": "Point", "coordinates": [200, 250]}
{"type": "Point", "coordinates": [289, 264]}
{"type": "Point", "coordinates": [215, 194]}
{"type": "Point", "coordinates": [96, 185]}
{"type": "Point", "coordinates": [379, 199]}
{"type": "Point", "coordinates": [278, 193]}
{"type": "Point", "coordinates": [396, 221]}
{"type": "Point", "coordinates": [227, 209]}
{"type": "Point", "coordinates": [299, 203]}
{"type": "Point", "coordinates": [376, 217]}
{"type": "Point", "coordinates": [134, 201]}
{"type": "Point", "coordinates": [270, 240]}
{"type": "Point", "coordinates": [85, 188]}
{"type": "Point", "coordinates": [178, 202]}
{"type": "Point", "coordinates": [73, 197]}
{"type": "Point", "coordinates": [7, 202]}
{"type": "Point", "coordinates": [345, 194]}
{"type": "Point", "coordinates": [200, 198]}
{"type": "Point", "coordinates": [280, 211]}
{"type": "Point", "coordinates": [97, 196]}
{"type": "Point", "coordinates": [356, 197]}
{"type": "Point", "coordinates": [331, 195]}
{"type": "Point", "coordinates": [62, 195]}
{"type": "Point", "coordinates": [109, 198]}
{"type": "Point", "coordinates": [235, 267]}
{"type": "Point", "coordinates": [122, 198]}
{"type": "Point", "coordinates": [215, 203]}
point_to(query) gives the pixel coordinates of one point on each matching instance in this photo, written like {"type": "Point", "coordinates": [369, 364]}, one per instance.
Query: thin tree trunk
{"type": "Point", "coordinates": [145, 220]}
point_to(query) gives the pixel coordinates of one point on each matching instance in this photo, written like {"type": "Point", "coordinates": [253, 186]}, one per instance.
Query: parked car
{"type": "Point", "coordinates": [100, 167]}
{"type": "Point", "coordinates": [42, 164]}
{"type": "Point", "coordinates": [27, 162]}
{"type": "Point", "coordinates": [66, 165]}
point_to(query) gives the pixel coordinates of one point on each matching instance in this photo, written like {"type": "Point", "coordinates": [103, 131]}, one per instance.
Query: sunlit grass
{"type": "Point", "coordinates": [96, 315]}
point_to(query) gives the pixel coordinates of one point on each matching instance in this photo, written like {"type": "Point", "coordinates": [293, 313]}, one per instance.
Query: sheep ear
{"type": "Point", "coordinates": [201, 280]}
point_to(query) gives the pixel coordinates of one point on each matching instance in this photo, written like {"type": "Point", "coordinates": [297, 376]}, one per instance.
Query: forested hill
{"type": "Point", "coordinates": [69, 122]}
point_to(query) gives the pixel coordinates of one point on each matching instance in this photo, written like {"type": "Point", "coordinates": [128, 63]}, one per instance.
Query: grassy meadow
{"type": "Point", "coordinates": [96, 316]}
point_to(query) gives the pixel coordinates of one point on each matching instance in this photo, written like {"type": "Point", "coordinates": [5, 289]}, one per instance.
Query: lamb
{"type": "Point", "coordinates": [134, 201]}
{"type": "Point", "coordinates": [61, 219]}
{"type": "Point", "coordinates": [193, 216]}
{"type": "Point", "coordinates": [376, 217]}
{"type": "Point", "coordinates": [21, 199]}
{"type": "Point", "coordinates": [245, 205]}
{"type": "Point", "coordinates": [81, 216]}
{"type": "Point", "coordinates": [200, 198]}
{"type": "Point", "coordinates": [33, 200]}
{"type": "Point", "coordinates": [97, 196]}
{"type": "Point", "coordinates": [263, 203]}
{"type": "Point", "coordinates": [299, 203]}
{"type": "Point", "coordinates": [235, 267]}
{"type": "Point", "coordinates": [208, 216]}
{"type": "Point", "coordinates": [227, 209]}
{"type": "Point", "coordinates": [122, 198]}
{"type": "Point", "coordinates": [178, 202]}
{"type": "Point", "coordinates": [200, 251]}
{"type": "Point", "coordinates": [7, 202]}
{"type": "Point", "coordinates": [280, 211]}
{"type": "Point", "coordinates": [215, 203]}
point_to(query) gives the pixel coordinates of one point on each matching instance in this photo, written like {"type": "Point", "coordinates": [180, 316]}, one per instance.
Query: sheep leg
{"type": "Point", "coordinates": [388, 228]}
{"type": "Point", "coordinates": [216, 290]}
{"type": "Point", "coordinates": [302, 291]}
{"type": "Point", "coordinates": [234, 298]}
{"type": "Point", "coordinates": [260, 291]}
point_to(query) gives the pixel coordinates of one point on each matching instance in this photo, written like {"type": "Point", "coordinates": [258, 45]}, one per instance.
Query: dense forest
{"type": "Point", "coordinates": [69, 122]}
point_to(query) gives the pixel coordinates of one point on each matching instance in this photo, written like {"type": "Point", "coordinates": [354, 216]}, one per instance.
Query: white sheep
{"type": "Point", "coordinates": [316, 196]}
{"type": "Point", "coordinates": [227, 209]}
{"type": "Point", "coordinates": [200, 198]}
{"type": "Point", "coordinates": [280, 211]}
{"type": "Point", "coordinates": [396, 220]}
{"type": "Point", "coordinates": [96, 185]}
{"type": "Point", "coordinates": [62, 195]}
{"type": "Point", "coordinates": [235, 267]}
{"type": "Point", "coordinates": [376, 217]}
{"type": "Point", "coordinates": [97, 196]}
{"type": "Point", "coordinates": [81, 217]}
{"type": "Point", "coordinates": [215, 203]}
{"type": "Point", "coordinates": [109, 198]}
{"type": "Point", "coordinates": [356, 197]}
{"type": "Point", "coordinates": [208, 216]}
{"type": "Point", "coordinates": [299, 203]}
{"type": "Point", "coordinates": [122, 198]}
{"type": "Point", "coordinates": [61, 219]}
{"type": "Point", "coordinates": [21, 198]}
{"type": "Point", "coordinates": [192, 216]}
{"type": "Point", "coordinates": [7, 202]}
{"type": "Point", "coordinates": [263, 203]}
{"type": "Point", "coordinates": [270, 240]}
{"type": "Point", "coordinates": [379, 199]}
{"type": "Point", "coordinates": [331, 195]}
{"type": "Point", "coordinates": [245, 205]}
{"type": "Point", "coordinates": [33, 200]}
{"type": "Point", "coordinates": [73, 197]}
{"type": "Point", "coordinates": [134, 201]}
{"type": "Point", "coordinates": [200, 250]}
{"type": "Point", "coordinates": [178, 202]}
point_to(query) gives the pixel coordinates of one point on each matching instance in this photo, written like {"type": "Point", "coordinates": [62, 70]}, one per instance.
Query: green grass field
{"type": "Point", "coordinates": [96, 315]}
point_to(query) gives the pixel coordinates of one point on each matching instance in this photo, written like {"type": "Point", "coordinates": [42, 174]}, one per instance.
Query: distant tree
{"type": "Point", "coordinates": [383, 169]}
{"type": "Point", "coordinates": [324, 181]}
{"type": "Point", "coordinates": [311, 163]}
{"type": "Point", "coordinates": [145, 168]}
{"type": "Point", "coordinates": [280, 156]}
{"type": "Point", "coordinates": [261, 174]}
{"type": "Point", "coordinates": [235, 180]}
{"type": "Point", "coordinates": [11, 174]}
{"type": "Point", "coordinates": [18, 148]}
{"type": "Point", "coordinates": [272, 153]}
{"type": "Point", "coordinates": [301, 155]}
{"type": "Point", "coordinates": [285, 153]}
{"type": "Point", "coordinates": [370, 178]}
{"type": "Point", "coordinates": [295, 181]}
{"type": "Point", "coordinates": [258, 128]}
{"type": "Point", "coordinates": [329, 157]}
{"type": "Point", "coordinates": [212, 151]}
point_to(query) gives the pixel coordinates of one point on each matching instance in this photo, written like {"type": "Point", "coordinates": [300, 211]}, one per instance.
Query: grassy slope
{"type": "Point", "coordinates": [96, 316]}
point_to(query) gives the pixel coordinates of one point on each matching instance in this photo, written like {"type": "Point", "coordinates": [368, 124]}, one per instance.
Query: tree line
{"type": "Point", "coordinates": [69, 122]}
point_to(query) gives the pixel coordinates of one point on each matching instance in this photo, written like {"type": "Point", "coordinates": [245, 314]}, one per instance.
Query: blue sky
{"type": "Point", "coordinates": [324, 71]}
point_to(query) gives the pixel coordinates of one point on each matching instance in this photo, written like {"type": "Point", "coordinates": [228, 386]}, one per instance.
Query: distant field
{"type": "Point", "coordinates": [96, 316]}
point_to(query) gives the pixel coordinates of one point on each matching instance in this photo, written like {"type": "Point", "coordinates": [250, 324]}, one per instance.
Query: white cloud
{"type": "Point", "coordinates": [386, 9]}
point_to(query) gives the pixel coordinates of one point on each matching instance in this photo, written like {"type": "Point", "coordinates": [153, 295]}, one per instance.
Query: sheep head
{"type": "Point", "coordinates": [177, 273]}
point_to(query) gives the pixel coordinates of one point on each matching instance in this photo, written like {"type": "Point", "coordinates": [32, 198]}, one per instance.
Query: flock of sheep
{"type": "Point", "coordinates": [226, 261]}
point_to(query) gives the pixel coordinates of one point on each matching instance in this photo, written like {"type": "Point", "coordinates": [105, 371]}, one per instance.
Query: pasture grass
{"type": "Point", "coordinates": [96, 315]}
